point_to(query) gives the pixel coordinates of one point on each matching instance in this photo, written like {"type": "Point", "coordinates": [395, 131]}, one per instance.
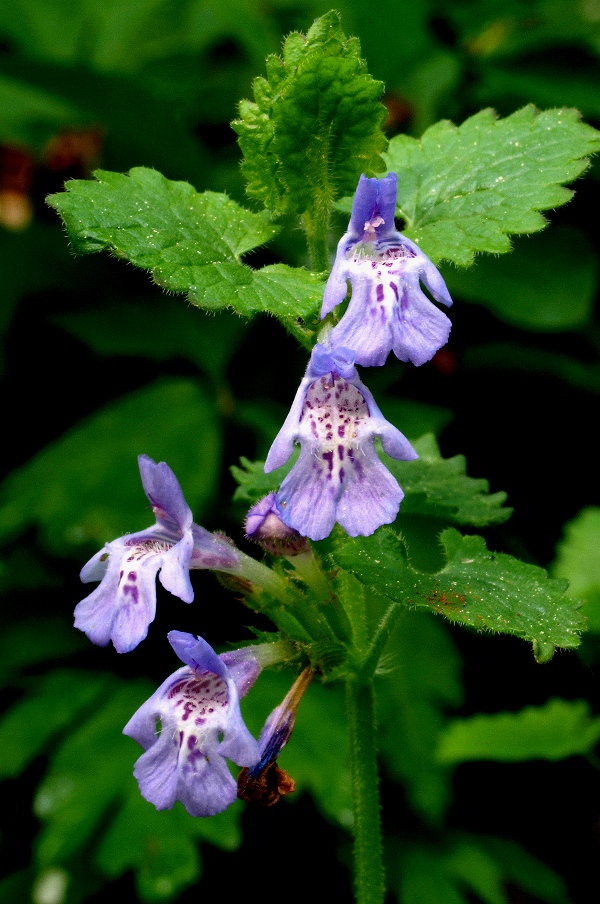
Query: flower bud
{"type": "Point", "coordinates": [265, 527]}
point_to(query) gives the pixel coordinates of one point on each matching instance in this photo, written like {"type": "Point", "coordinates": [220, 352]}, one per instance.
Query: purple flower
{"type": "Point", "coordinates": [265, 527]}
{"type": "Point", "coordinates": [200, 724]}
{"type": "Point", "coordinates": [338, 476]}
{"type": "Point", "coordinates": [124, 604]}
{"type": "Point", "coordinates": [388, 310]}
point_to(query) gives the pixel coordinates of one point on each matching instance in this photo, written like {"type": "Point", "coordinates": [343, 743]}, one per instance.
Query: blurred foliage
{"type": "Point", "coordinates": [59, 493]}
{"type": "Point", "coordinates": [578, 561]}
{"type": "Point", "coordinates": [531, 292]}
{"type": "Point", "coordinates": [556, 730]}
{"type": "Point", "coordinates": [99, 366]}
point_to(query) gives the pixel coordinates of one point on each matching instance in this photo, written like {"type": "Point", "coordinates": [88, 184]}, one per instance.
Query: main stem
{"type": "Point", "coordinates": [368, 852]}
{"type": "Point", "coordinates": [315, 225]}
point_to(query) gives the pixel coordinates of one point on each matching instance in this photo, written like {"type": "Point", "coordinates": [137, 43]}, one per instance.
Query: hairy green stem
{"type": "Point", "coordinates": [368, 852]}
{"type": "Point", "coordinates": [382, 635]}
{"type": "Point", "coordinates": [308, 568]}
{"type": "Point", "coordinates": [315, 225]}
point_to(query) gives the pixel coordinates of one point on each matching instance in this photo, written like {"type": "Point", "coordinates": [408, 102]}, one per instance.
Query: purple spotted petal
{"type": "Point", "coordinates": [241, 664]}
{"type": "Point", "coordinates": [322, 362]}
{"type": "Point", "coordinates": [156, 770]}
{"type": "Point", "coordinates": [419, 329]}
{"type": "Point", "coordinates": [95, 568]}
{"type": "Point", "coordinates": [123, 605]}
{"type": "Point", "coordinates": [308, 503]}
{"type": "Point", "coordinates": [200, 723]}
{"type": "Point", "coordinates": [371, 496]}
{"type": "Point", "coordinates": [283, 444]}
{"type": "Point", "coordinates": [338, 476]}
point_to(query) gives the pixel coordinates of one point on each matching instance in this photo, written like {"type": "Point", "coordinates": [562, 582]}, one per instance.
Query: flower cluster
{"type": "Point", "coordinates": [338, 475]}
{"type": "Point", "coordinates": [192, 724]}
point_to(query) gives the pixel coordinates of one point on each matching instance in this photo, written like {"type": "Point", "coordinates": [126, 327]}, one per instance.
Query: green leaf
{"type": "Point", "coordinates": [475, 870]}
{"type": "Point", "coordinates": [482, 589]}
{"type": "Point", "coordinates": [577, 557]}
{"type": "Point", "coordinates": [548, 283]}
{"type": "Point", "coordinates": [124, 328]}
{"type": "Point", "coordinates": [162, 847]}
{"type": "Point", "coordinates": [578, 561]}
{"type": "Point", "coordinates": [16, 887]}
{"type": "Point", "coordinates": [252, 481]}
{"type": "Point", "coordinates": [421, 678]}
{"type": "Point", "coordinates": [75, 501]}
{"type": "Point", "coordinates": [57, 699]}
{"type": "Point", "coordinates": [424, 879]}
{"type": "Point", "coordinates": [522, 869]}
{"type": "Point", "coordinates": [190, 242]}
{"type": "Point", "coordinates": [466, 189]}
{"type": "Point", "coordinates": [315, 123]}
{"type": "Point", "coordinates": [440, 487]}
{"type": "Point", "coordinates": [34, 641]}
{"type": "Point", "coordinates": [433, 486]}
{"type": "Point", "coordinates": [91, 770]}
{"type": "Point", "coordinates": [351, 596]}
{"type": "Point", "coordinates": [558, 729]}
{"type": "Point", "coordinates": [30, 116]}
{"type": "Point", "coordinates": [468, 866]}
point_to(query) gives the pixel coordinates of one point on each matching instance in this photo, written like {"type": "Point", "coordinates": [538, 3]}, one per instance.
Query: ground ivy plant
{"type": "Point", "coordinates": [337, 567]}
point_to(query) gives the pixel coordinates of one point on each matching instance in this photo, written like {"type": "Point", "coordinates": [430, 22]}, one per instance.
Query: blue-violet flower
{"type": "Point", "coordinates": [388, 309]}
{"type": "Point", "coordinates": [124, 604]}
{"type": "Point", "coordinates": [200, 724]}
{"type": "Point", "coordinates": [338, 475]}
